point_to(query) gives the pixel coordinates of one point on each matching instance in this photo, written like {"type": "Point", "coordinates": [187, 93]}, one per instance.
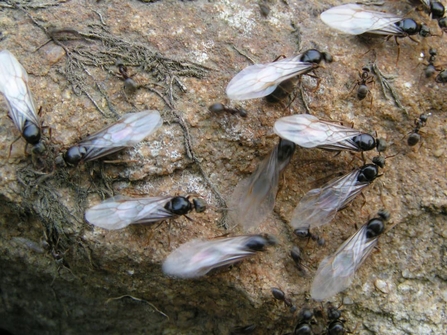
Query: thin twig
{"type": "Point", "coordinates": [386, 86]}
{"type": "Point", "coordinates": [191, 155]}
{"type": "Point", "coordinates": [100, 17]}
{"type": "Point", "coordinates": [243, 54]}
{"type": "Point", "coordinates": [303, 98]}
{"type": "Point", "coordinates": [139, 300]}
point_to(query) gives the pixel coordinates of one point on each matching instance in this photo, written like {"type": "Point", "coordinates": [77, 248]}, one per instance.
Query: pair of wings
{"type": "Point", "coordinates": [335, 272]}
{"type": "Point", "coordinates": [355, 20]}
{"type": "Point", "coordinates": [198, 257]}
{"type": "Point", "coordinates": [14, 87]}
{"type": "Point", "coordinates": [319, 206]}
{"type": "Point", "coordinates": [119, 212]}
{"type": "Point", "coordinates": [128, 131]}
{"type": "Point", "coordinates": [309, 132]}
{"type": "Point", "coordinates": [259, 80]}
{"type": "Point", "coordinates": [254, 197]}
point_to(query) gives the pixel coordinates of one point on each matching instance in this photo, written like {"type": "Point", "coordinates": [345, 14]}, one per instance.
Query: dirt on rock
{"type": "Point", "coordinates": [60, 275]}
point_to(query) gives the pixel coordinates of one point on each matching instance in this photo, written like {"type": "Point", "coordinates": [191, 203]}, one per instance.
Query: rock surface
{"type": "Point", "coordinates": [59, 275]}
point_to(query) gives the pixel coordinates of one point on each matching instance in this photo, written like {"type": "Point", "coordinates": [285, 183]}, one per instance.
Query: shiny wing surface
{"type": "Point", "coordinates": [426, 3]}
{"type": "Point", "coordinates": [128, 131]}
{"type": "Point", "coordinates": [309, 132]}
{"type": "Point", "coordinates": [335, 273]}
{"type": "Point", "coordinates": [319, 206]}
{"type": "Point", "coordinates": [254, 197]}
{"type": "Point", "coordinates": [259, 80]}
{"type": "Point", "coordinates": [14, 86]}
{"type": "Point", "coordinates": [119, 212]}
{"type": "Point", "coordinates": [197, 257]}
{"type": "Point", "coordinates": [354, 20]}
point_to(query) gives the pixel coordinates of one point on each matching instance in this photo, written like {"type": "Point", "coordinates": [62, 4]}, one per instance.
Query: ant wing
{"type": "Point", "coordinates": [335, 273]}
{"type": "Point", "coordinates": [198, 257]}
{"type": "Point", "coordinates": [319, 206]}
{"type": "Point", "coordinates": [119, 212]}
{"type": "Point", "coordinates": [14, 86]}
{"type": "Point", "coordinates": [128, 131]}
{"type": "Point", "coordinates": [309, 132]}
{"type": "Point", "coordinates": [354, 20]}
{"type": "Point", "coordinates": [259, 80]}
{"type": "Point", "coordinates": [254, 197]}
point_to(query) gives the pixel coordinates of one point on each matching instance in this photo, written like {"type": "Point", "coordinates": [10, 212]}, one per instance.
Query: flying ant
{"type": "Point", "coordinates": [261, 80]}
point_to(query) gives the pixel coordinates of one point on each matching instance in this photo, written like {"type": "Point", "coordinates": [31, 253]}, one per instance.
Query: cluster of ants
{"type": "Point", "coordinates": [308, 320]}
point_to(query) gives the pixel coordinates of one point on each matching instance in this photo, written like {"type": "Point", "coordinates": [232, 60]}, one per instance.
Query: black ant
{"type": "Point", "coordinates": [365, 78]}
{"type": "Point", "coordinates": [431, 68]}
{"type": "Point", "coordinates": [219, 108]}
{"type": "Point", "coordinates": [130, 86]}
{"type": "Point", "coordinates": [298, 260]}
{"type": "Point", "coordinates": [305, 233]}
{"type": "Point", "coordinates": [420, 122]}
{"type": "Point", "coordinates": [336, 324]}
{"type": "Point", "coordinates": [279, 294]}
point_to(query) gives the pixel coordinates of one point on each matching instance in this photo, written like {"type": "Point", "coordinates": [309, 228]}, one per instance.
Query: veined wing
{"type": "Point", "coordinates": [426, 3]}
{"type": "Point", "coordinates": [335, 273]}
{"type": "Point", "coordinates": [309, 132]}
{"type": "Point", "coordinates": [259, 80]}
{"type": "Point", "coordinates": [128, 131]}
{"type": "Point", "coordinates": [319, 206]}
{"type": "Point", "coordinates": [197, 257]}
{"type": "Point", "coordinates": [354, 20]}
{"type": "Point", "coordinates": [14, 86]}
{"type": "Point", "coordinates": [390, 29]}
{"type": "Point", "coordinates": [254, 197]}
{"type": "Point", "coordinates": [119, 212]}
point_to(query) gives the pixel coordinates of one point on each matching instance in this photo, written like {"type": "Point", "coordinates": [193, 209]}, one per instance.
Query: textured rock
{"type": "Point", "coordinates": [60, 275]}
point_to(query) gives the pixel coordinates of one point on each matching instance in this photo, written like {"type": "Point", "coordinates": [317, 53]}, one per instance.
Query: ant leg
{"type": "Point", "coordinates": [10, 147]}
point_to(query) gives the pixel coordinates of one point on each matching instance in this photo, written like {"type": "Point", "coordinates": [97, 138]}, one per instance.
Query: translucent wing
{"type": "Point", "coordinates": [354, 20]}
{"type": "Point", "coordinates": [119, 212]}
{"type": "Point", "coordinates": [426, 3]}
{"type": "Point", "coordinates": [14, 86]}
{"type": "Point", "coordinates": [254, 197]}
{"type": "Point", "coordinates": [259, 80]}
{"type": "Point", "coordinates": [131, 129]}
{"type": "Point", "coordinates": [309, 132]}
{"type": "Point", "coordinates": [198, 257]}
{"type": "Point", "coordinates": [319, 206]}
{"type": "Point", "coordinates": [335, 273]}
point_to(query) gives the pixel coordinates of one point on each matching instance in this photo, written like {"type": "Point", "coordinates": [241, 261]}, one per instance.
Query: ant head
{"type": "Point", "coordinates": [327, 57]}
{"type": "Point", "coordinates": [381, 144]}
{"type": "Point", "coordinates": [425, 31]}
{"type": "Point", "coordinates": [379, 161]}
{"type": "Point", "coordinates": [424, 117]}
{"type": "Point", "coordinates": [366, 69]}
